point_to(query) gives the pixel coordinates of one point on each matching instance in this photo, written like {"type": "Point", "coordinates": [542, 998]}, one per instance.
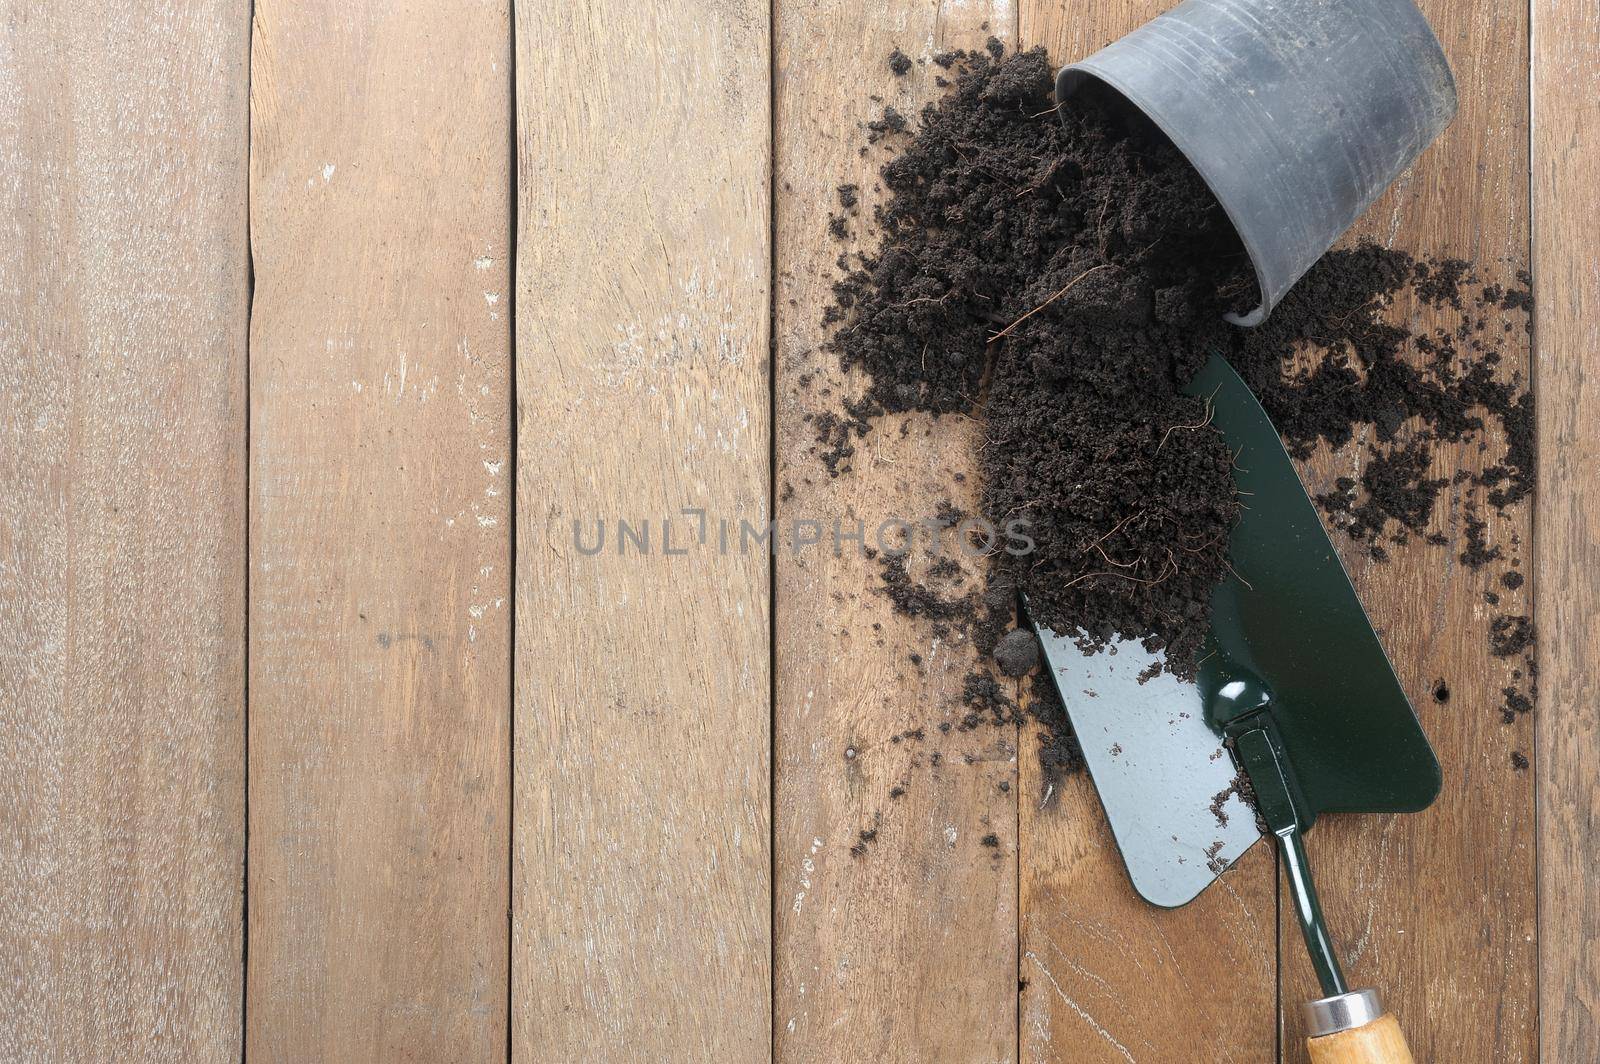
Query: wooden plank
{"type": "Point", "coordinates": [123, 289]}
{"type": "Point", "coordinates": [1110, 977]}
{"type": "Point", "coordinates": [641, 859]}
{"type": "Point", "coordinates": [905, 950]}
{"type": "Point", "coordinates": [380, 531]}
{"type": "Point", "coordinates": [1436, 910]}
{"type": "Point", "coordinates": [1566, 270]}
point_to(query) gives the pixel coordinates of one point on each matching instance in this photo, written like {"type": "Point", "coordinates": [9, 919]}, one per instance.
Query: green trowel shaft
{"type": "Point", "coordinates": [1261, 760]}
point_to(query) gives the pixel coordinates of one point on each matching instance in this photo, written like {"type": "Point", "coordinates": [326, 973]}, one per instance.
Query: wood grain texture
{"type": "Point", "coordinates": [905, 949]}
{"type": "Point", "coordinates": [641, 859]}
{"type": "Point", "coordinates": [1109, 976]}
{"type": "Point", "coordinates": [1436, 909]}
{"type": "Point", "coordinates": [123, 288]}
{"type": "Point", "coordinates": [1379, 1042]}
{"type": "Point", "coordinates": [380, 531]}
{"type": "Point", "coordinates": [1566, 268]}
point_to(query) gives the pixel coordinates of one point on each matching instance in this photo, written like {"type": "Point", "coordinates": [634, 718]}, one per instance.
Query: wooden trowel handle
{"type": "Point", "coordinates": [1378, 1041]}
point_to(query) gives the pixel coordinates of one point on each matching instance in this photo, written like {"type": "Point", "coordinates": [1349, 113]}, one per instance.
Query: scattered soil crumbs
{"type": "Point", "coordinates": [1516, 703]}
{"type": "Point", "coordinates": [1017, 652]}
{"type": "Point", "coordinates": [1509, 636]}
{"type": "Point", "coordinates": [1478, 553]}
{"type": "Point", "coordinates": [1060, 282]}
{"type": "Point", "coordinates": [1240, 785]}
{"type": "Point", "coordinates": [1059, 752]}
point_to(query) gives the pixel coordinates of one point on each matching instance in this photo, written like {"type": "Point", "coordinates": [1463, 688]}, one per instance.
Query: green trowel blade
{"type": "Point", "coordinates": [1291, 650]}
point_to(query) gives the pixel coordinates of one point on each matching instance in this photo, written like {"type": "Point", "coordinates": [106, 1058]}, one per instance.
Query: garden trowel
{"type": "Point", "coordinates": [1295, 704]}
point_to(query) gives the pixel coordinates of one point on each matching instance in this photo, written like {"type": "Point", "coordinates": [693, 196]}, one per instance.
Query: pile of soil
{"type": "Point", "coordinates": [1065, 279]}
{"type": "Point", "coordinates": [1061, 281]}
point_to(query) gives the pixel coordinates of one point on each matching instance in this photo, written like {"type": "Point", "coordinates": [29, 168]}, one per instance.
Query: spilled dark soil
{"type": "Point", "coordinates": [1065, 279]}
{"type": "Point", "coordinates": [1062, 281]}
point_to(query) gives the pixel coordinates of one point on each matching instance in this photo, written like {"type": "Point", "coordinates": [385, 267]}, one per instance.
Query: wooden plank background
{"type": "Point", "coordinates": [123, 301]}
{"type": "Point", "coordinates": [611, 807]}
{"type": "Point", "coordinates": [641, 919]}
{"type": "Point", "coordinates": [870, 932]}
{"type": "Point", "coordinates": [1566, 201]}
{"type": "Point", "coordinates": [380, 531]}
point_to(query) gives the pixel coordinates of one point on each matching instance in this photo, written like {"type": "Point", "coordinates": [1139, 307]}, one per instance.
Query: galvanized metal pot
{"type": "Point", "coordinates": [1297, 113]}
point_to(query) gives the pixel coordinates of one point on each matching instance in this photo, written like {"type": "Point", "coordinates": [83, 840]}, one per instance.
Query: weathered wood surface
{"type": "Point", "coordinates": [641, 912]}
{"type": "Point", "coordinates": [1566, 202]}
{"type": "Point", "coordinates": [380, 531]}
{"type": "Point", "coordinates": [1436, 910]}
{"type": "Point", "coordinates": [906, 949]}
{"type": "Point", "coordinates": [644, 924]}
{"type": "Point", "coordinates": [123, 288]}
{"type": "Point", "coordinates": [1108, 976]}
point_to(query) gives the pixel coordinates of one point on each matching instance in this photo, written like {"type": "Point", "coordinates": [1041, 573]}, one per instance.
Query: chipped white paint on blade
{"type": "Point", "coordinates": [1157, 766]}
